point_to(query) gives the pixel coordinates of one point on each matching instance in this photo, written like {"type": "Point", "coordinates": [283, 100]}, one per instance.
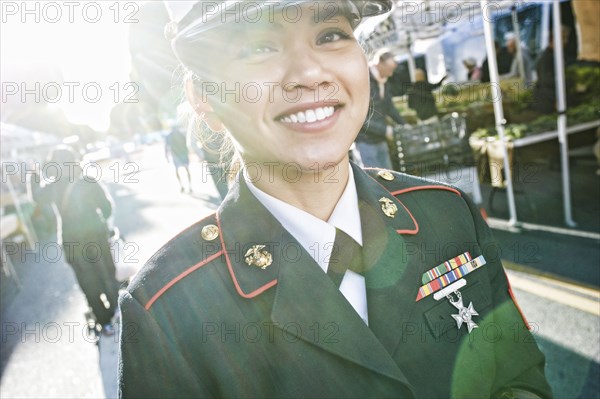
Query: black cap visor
{"type": "Point", "coordinates": [207, 15]}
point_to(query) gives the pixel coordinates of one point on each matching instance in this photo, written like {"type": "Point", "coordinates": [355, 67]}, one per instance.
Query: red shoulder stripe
{"type": "Point", "coordinates": [408, 190]}
{"type": "Point", "coordinates": [179, 277]}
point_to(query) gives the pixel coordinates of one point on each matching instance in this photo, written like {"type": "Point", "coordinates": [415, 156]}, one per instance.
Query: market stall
{"type": "Point", "coordinates": [429, 20]}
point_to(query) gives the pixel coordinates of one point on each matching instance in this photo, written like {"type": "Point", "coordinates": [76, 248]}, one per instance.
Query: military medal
{"type": "Point", "coordinates": [465, 315]}
{"type": "Point", "coordinates": [445, 281]}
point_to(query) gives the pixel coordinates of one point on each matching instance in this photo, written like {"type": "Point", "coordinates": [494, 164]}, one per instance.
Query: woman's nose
{"type": "Point", "coordinates": [307, 68]}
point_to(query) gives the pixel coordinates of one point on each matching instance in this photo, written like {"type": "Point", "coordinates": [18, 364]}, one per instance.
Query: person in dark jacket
{"type": "Point", "coordinates": [372, 141]}
{"type": "Point", "coordinates": [420, 96]}
{"type": "Point", "coordinates": [316, 278]}
{"type": "Point", "coordinates": [83, 208]}
{"type": "Point", "coordinates": [544, 94]}
{"type": "Point", "coordinates": [176, 150]}
{"type": "Point", "coordinates": [504, 61]}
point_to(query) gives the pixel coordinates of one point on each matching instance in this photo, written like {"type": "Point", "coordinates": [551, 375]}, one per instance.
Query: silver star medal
{"type": "Point", "coordinates": [464, 315]}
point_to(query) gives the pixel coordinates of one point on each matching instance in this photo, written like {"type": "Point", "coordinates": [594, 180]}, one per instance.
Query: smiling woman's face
{"type": "Point", "coordinates": [288, 92]}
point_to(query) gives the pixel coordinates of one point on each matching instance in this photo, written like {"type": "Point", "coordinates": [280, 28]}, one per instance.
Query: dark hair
{"type": "Point", "coordinates": [385, 56]}
{"type": "Point", "coordinates": [62, 154]}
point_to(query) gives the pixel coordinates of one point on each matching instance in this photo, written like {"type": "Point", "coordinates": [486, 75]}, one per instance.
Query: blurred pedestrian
{"type": "Point", "coordinates": [421, 98]}
{"type": "Point", "coordinates": [511, 43]}
{"type": "Point", "coordinates": [176, 151]}
{"type": "Point", "coordinates": [544, 94]}
{"type": "Point", "coordinates": [84, 207]}
{"type": "Point", "coordinates": [372, 141]}
{"type": "Point", "coordinates": [473, 71]}
{"type": "Point", "coordinates": [485, 67]}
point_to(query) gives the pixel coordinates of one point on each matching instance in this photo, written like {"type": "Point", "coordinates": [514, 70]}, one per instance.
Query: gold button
{"type": "Point", "coordinates": [388, 207]}
{"type": "Point", "coordinates": [257, 256]}
{"type": "Point", "coordinates": [386, 175]}
{"type": "Point", "coordinates": [209, 232]}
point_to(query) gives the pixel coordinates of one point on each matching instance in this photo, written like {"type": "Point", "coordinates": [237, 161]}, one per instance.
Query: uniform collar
{"type": "Point", "coordinates": [310, 231]}
{"type": "Point", "coordinates": [260, 227]}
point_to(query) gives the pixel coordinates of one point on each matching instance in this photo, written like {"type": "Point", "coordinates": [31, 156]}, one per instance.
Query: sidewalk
{"type": "Point", "coordinates": [46, 348]}
{"type": "Point", "coordinates": [542, 241]}
{"type": "Point", "coordinates": [565, 322]}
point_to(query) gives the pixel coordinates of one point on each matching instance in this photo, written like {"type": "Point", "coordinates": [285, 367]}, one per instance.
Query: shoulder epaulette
{"type": "Point", "coordinates": [398, 183]}
{"type": "Point", "coordinates": [190, 250]}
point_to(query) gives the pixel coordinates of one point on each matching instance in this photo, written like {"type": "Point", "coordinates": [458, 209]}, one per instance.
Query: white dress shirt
{"type": "Point", "coordinates": [317, 237]}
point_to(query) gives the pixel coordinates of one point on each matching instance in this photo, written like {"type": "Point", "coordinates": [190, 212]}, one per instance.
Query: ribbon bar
{"type": "Point", "coordinates": [450, 277]}
{"type": "Point", "coordinates": [446, 267]}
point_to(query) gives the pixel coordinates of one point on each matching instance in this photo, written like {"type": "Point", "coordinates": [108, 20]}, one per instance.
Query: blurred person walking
{"type": "Point", "coordinates": [176, 151]}
{"type": "Point", "coordinates": [372, 140]}
{"type": "Point", "coordinates": [421, 99]}
{"type": "Point", "coordinates": [544, 93]}
{"type": "Point", "coordinates": [83, 207]}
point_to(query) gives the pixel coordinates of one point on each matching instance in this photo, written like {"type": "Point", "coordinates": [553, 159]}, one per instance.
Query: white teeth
{"type": "Point", "coordinates": [309, 116]}
{"type": "Point", "coordinates": [320, 114]}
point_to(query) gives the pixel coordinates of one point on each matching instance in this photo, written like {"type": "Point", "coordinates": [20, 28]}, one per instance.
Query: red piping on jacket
{"type": "Point", "coordinates": [179, 277]}
{"type": "Point", "coordinates": [408, 190]}
{"type": "Point", "coordinates": [416, 230]}
{"type": "Point", "coordinates": [235, 282]}
{"type": "Point", "coordinates": [510, 292]}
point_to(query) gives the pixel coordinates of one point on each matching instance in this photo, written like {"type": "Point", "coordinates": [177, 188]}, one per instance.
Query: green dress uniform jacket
{"type": "Point", "coordinates": [198, 321]}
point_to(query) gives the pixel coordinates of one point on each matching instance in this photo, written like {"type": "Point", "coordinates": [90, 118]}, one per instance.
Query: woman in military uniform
{"type": "Point", "coordinates": [315, 278]}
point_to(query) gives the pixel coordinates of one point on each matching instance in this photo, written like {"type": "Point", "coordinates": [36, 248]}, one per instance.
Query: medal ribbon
{"type": "Point", "coordinates": [450, 277]}
{"type": "Point", "coordinates": [446, 267]}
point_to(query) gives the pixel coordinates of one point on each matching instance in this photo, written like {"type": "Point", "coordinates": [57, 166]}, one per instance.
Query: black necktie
{"type": "Point", "coordinates": [345, 254]}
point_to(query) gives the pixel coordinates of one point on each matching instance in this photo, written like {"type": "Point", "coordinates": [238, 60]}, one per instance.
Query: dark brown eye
{"type": "Point", "coordinates": [332, 36]}
{"type": "Point", "coordinates": [256, 50]}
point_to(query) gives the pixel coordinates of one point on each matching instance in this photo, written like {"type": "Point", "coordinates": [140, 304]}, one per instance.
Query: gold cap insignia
{"type": "Point", "coordinates": [386, 175]}
{"type": "Point", "coordinates": [258, 257]}
{"type": "Point", "coordinates": [209, 232]}
{"type": "Point", "coordinates": [388, 207]}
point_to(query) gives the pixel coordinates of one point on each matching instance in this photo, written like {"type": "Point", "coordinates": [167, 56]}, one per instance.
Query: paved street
{"type": "Point", "coordinates": [47, 353]}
